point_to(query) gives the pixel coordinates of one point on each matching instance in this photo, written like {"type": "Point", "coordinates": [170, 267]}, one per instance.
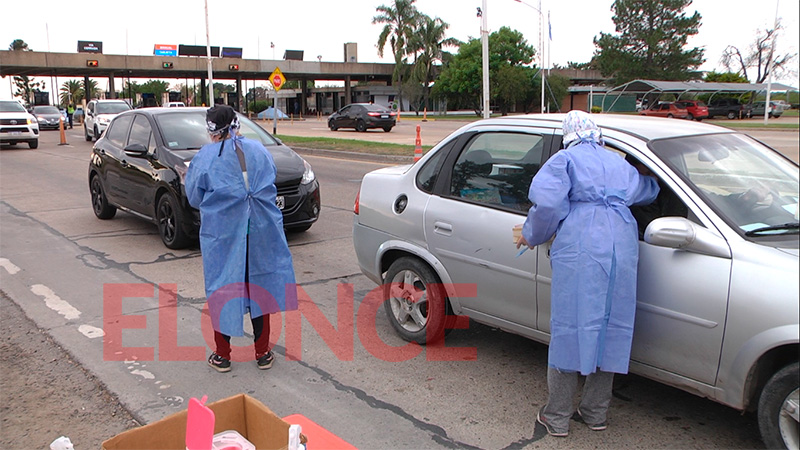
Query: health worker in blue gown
{"type": "Point", "coordinates": [581, 196]}
{"type": "Point", "coordinates": [246, 260]}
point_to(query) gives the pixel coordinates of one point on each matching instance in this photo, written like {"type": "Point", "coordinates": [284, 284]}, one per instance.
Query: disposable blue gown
{"type": "Point", "coordinates": [582, 195]}
{"type": "Point", "coordinates": [215, 185]}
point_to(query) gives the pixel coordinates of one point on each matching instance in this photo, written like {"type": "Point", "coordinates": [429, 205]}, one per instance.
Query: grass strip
{"type": "Point", "coordinates": [743, 125]}
{"type": "Point", "coordinates": [351, 145]}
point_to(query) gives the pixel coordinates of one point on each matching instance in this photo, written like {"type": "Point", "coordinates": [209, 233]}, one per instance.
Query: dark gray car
{"type": "Point", "coordinates": [48, 116]}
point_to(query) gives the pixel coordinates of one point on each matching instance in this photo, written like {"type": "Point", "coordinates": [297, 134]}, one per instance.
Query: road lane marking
{"type": "Point", "coordinates": [55, 302]}
{"type": "Point", "coordinates": [10, 267]}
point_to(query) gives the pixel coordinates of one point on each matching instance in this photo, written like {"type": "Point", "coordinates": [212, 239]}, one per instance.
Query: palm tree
{"type": "Point", "coordinates": [399, 21]}
{"type": "Point", "coordinates": [19, 44]}
{"type": "Point", "coordinates": [94, 91]}
{"type": "Point", "coordinates": [427, 45]}
{"type": "Point", "coordinates": [71, 92]}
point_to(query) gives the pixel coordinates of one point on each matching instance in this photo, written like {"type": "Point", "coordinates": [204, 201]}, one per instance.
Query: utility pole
{"type": "Point", "coordinates": [485, 56]}
{"type": "Point", "coordinates": [208, 54]}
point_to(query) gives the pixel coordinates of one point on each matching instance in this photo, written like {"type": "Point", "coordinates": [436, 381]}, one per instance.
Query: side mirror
{"type": "Point", "coordinates": [136, 150]}
{"type": "Point", "coordinates": [681, 234]}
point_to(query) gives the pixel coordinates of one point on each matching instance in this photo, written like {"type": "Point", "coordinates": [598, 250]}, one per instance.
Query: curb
{"type": "Point", "coordinates": [397, 159]}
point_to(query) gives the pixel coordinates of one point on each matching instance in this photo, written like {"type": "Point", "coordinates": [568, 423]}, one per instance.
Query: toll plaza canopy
{"type": "Point", "coordinates": [653, 88]}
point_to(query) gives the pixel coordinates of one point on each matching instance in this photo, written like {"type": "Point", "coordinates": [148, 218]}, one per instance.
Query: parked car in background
{"type": "Point", "coordinates": [137, 165]}
{"type": "Point", "coordinates": [756, 109]}
{"type": "Point", "coordinates": [666, 109]}
{"type": "Point", "coordinates": [99, 113]}
{"type": "Point", "coordinates": [17, 124]}
{"type": "Point", "coordinates": [362, 116]}
{"type": "Point", "coordinates": [48, 116]}
{"type": "Point", "coordinates": [718, 280]}
{"type": "Point", "coordinates": [726, 107]}
{"type": "Point", "coordinates": [696, 109]}
{"type": "Point", "coordinates": [77, 116]}
{"type": "Point", "coordinates": [174, 105]}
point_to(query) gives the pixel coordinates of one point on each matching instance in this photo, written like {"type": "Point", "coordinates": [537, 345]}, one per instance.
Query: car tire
{"type": "Point", "coordinates": [670, 116]}
{"type": "Point", "coordinates": [86, 134]}
{"type": "Point", "coordinates": [33, 144]}
{"type": "Point", "coordinates": [96, 134]}
{"type": "Point", "coordinates": [778, 428]}
{"type": "Point", "coordinates": [102, 209]}
{"type": "Point", "coordinates": [387, 129]}
{"type": "Point", "coordinates": [731, 115]}
{"type": "Point", "coordinates": [170, 222]}
{"type": "Point", "coordinates": [690, 116]}
{"type": "Point", "coordinates": [361, 126]}
{"type": "Point", "coordinates": [332, 126]}
{"type": "Point", "coordinates": [415, 302]}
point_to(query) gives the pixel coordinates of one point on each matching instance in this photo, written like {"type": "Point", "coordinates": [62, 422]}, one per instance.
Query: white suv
{"type": "Point", "coordinates": [99, 114]}
{"type": "Point", "coordinates": [17, 124]}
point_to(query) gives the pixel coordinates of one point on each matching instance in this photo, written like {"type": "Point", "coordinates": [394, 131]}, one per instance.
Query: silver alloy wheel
{"type": "Point", "coordinates": [789, 420]}
{"type": "Point", "coordinates": [408, 299]}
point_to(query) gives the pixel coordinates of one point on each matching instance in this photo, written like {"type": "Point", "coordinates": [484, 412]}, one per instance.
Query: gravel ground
{"type": "Point", "coordinates": [35, 370]}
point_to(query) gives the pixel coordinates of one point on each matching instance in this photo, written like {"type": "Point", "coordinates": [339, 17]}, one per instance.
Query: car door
{"type": "Point", "coordinates": [468, 227]}
{"type": "Point", "coordinates": [341, 120]}
{"type": "Point", "coordinates": [112, 154]}
{"type": "Point", "coordinates": [681, 296]}
{"type": "Point", "coordinates": [138, 176]}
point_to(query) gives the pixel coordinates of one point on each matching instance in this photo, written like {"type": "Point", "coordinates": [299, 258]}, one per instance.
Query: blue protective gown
{"type": "Point", "coordinates": [582, 195]}
{"type": "Point", "coordinates": [215, 185]}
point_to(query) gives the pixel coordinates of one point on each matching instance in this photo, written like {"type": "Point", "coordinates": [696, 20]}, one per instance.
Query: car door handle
{"type": "Point", "coordinates": [442, 228]}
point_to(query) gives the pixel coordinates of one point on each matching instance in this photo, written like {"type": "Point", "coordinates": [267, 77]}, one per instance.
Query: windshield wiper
{"type": "Point", "coordinates": [788, 227]}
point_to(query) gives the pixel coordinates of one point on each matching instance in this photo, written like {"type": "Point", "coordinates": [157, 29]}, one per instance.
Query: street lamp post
{"type": "Point", "coordinates": [541, 47]}
{"type": "Point", "coordinates": [208, 54]}
{"type": "Point", "coordinates": [485, 57]}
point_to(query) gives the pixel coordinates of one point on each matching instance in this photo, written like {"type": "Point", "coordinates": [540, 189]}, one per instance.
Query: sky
{"type": "Point", "coordinates": [321, 27]}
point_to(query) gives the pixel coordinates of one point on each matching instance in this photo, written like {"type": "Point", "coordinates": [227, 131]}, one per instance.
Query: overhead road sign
{"type": "Point", "coordinates": [231, 52]}
{"type": "Point", "coordinates": [165, 50]}
{"type": "Point", "coordinates": [90, 47]}
{"type": "Point", "coordinates": [196, 50]}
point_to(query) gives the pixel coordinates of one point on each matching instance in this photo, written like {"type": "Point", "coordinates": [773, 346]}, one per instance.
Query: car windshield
{"type": "Point", "coordinates": [11, 107]}
{"type": "Point", "coordinates": [188, 130]}
{"type": "Point", "coordinates": [112, 108]}
{"type": "Point", "coordinates": [45, 110]}
{"type": "Point", "coordinates": [753, 188]}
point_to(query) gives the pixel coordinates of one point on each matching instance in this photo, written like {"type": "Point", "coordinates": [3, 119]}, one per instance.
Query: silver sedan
{"type": "Point", "coordinates": [717, 311]}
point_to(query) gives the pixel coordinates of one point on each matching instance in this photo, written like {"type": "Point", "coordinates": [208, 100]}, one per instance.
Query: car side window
{"type": "Point", "coordinates": [141, 133]}
{"type": "Point", "coordinates": [344, 110]}
{"type": "Point", "coordinates": [428, 174]}
{"type": "Point", "coordinates": [118, 131]}
{"type": "Point", "coordinates": [496, 168]}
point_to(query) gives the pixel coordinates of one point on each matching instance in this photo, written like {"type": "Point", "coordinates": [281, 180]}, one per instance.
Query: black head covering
{"type": "Point", "coordinates": [219, 118]}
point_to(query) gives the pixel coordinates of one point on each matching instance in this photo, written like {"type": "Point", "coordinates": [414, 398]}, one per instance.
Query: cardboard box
{"type": "Point", "coordinates": [241, 412]}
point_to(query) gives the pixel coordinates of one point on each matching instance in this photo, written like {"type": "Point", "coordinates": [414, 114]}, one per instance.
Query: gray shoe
{"type": "Point", "coordinates": [594, 427]}
{"type": "Point", "coordinates": [550, 430]}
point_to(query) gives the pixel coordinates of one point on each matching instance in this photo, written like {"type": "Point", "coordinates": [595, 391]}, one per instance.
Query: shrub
{"type": "Point", "coordinates": [596, 109]}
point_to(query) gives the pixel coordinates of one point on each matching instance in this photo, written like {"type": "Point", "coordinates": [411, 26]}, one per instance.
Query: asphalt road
{"type": "Point", "coordinates": [69, 271]}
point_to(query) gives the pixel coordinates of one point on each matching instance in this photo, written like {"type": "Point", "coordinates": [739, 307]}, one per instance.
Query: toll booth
{"type": "Point", "coordinates": [232, 100]}
{"type": "Point", "coordinates": [41, 98]}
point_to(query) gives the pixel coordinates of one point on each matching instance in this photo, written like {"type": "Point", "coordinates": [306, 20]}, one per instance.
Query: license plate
{"type": "Point", "coordinates": [384, 116]}
{"type": "Point", "coordinates": [16, 133]}
{"type": "Point", "coordinates": [280, 201]}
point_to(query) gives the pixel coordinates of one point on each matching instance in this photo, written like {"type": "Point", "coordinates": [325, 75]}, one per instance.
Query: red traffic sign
{"type": "Point", "coordinates": [277, 79]}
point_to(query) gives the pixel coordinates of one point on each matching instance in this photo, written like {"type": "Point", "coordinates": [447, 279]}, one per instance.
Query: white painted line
{"type": "Point", "coordinates": [144, 374]}
{"type": "Point", "coordinates": [9, 266]}
{"type": "Point", "coordinates": [91, 332]}
{"type": "Point", "coordinates": [55, 302]}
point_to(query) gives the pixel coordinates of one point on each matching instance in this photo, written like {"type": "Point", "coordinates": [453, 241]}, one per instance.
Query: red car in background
{"type": "Point", "coordinates": [666, 109]}
{"type": "Point", "coordinates": [697, 110]}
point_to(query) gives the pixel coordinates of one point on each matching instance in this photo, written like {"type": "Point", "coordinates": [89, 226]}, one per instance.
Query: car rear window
{"type": "Point", "coordinates": [375, 108]}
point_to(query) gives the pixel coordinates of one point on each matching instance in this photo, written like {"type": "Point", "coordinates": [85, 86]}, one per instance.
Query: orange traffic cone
{"type": "Point", "coordinates": [418, 147]}
{"type": "Point", "coordinates": [63, 134]}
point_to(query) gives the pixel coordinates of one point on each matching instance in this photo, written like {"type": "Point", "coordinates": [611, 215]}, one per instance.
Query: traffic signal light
{"type": "Point", "coordinates": [91, 63]}
{"type": "Point", "coordinates": [233, 67]}
{"type": "Point", "coordinates": [166, 65]}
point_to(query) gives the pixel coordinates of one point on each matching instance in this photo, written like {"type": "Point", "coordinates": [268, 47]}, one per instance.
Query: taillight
{"type": "Point", "coordinates": [355, 206]}
{"type": "Point", "coordinates": [374, 114]}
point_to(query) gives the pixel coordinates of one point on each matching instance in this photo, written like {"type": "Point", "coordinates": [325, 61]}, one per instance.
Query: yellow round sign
{"type": "Point", "coordinates": [277, 79]}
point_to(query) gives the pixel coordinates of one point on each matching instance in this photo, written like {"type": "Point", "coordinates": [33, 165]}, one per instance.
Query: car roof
{"type": "Point", "coordinates": [644, 127]}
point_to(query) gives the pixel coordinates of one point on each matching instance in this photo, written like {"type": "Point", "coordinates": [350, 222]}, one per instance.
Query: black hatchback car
{"type": "Point", "coordinates": [136, 167]}
{"type": "Point", "coordinates": [362, 116]}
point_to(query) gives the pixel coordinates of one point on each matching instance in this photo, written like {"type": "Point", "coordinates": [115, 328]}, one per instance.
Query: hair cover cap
{"type": "Point", "coordinates": [578, 126]}
{"type": "Point", "coordinates": [219, 118]}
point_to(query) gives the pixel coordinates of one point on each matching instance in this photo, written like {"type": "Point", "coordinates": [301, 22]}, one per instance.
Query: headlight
{"type": "Point", "coordinates": [308, 175]}
{"type": "Point", "coordinates": [103, 120]}
{"type": "Point", "coordinates": [32, 120]}
{"type": "Point", "coordinates": [40, 118]}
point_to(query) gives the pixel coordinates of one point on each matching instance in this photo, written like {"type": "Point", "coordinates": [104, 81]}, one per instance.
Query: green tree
{"type": "Point", "coordinates": [71, 92]}
{"type": "Point", "coordinates": [759, 56]}
{"type": "Point", "coordinates": [158, 88]}
{"type": "Point", "coordinates": [650, 44]}
{"type": "Point", "coordinates": [24, 86]}
{"type": "Point", "coordinates": [93, 90]}
{"type": "Point", "coordinates": [18, 45]}
{"type": "Point", "coordinates": [512, 80]}
{"type": "Point", "coordinates": [724, 77]}
{"type": "Point", "coordinates": [399, 20]}
{"type": "Point", "coordinates": [427, 44]}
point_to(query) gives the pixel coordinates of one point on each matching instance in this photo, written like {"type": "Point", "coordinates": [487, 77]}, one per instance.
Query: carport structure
{"type": "Point", "coordinates": [652, 89]}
